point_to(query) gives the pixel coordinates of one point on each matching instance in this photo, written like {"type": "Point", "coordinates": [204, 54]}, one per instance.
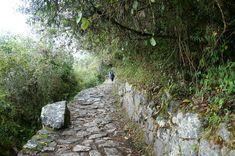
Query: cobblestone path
{"type": "Point", "coordinates": [93, 130]}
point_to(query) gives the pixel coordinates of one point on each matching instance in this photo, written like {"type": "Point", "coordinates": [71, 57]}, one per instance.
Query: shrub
{"type": "Point", "coordinates": [30, 77]}
{"type": "Point", "coordinates": [217, 89]}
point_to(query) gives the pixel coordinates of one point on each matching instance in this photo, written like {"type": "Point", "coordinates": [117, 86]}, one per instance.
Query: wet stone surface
{"type": "Point", "coordinates": [93, 130]}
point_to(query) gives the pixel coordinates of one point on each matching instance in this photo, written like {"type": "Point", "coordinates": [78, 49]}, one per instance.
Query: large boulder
{"type": "Point", "coordinates": [55, 115]}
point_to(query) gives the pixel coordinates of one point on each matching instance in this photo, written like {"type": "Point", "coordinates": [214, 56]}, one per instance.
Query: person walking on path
{"type": "Point", "coordinates": [111, 76]}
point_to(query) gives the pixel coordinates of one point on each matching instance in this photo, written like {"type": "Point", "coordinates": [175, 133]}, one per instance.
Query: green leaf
{"type": "Point", "coordinates": [145, 43]}
{"type": "Point", "coordinates": [132, 11]}
{"type": "Point", "coordinates": [85, 24]}
{"type": "Point", "coordinates": [153, 1]}
{"type": "Point", "coordinates": [152, 41]}
{"type": "Point", "coordinates": [79, 17]}
{"type": "Point", "coordinates": [135, 5]}
{"type": "Point", "coordinates": [186, 101]}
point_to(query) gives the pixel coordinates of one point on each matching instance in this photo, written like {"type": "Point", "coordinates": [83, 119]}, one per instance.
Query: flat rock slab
{"type": "Point", "coordinates": [70, 154]}
{"type": "Point", "coordinates": [99, 135]}
{"type": "Point", "coordinates": [80, 148]}
{"type": "Point", "coordinates": [94, 153]}
{"type": "Point", "coordinates": [112, 152]}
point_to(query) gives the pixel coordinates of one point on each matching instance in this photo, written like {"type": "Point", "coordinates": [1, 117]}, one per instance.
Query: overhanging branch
{"type": "Point", "coordinates": [138, 32]}
{"type": "Point", "coordinates": [141, 33]}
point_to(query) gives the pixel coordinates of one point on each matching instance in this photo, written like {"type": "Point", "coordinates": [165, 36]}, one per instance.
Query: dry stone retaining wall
{"type": "Point", "coordinates": [178, 134]}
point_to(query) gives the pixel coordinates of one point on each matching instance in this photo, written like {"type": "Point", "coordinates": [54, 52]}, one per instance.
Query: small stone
{"type": "Point", "coordinates": [43, 131]}
{"type": "Point", "coordinates": [84, 154]}
{"type": "Point", "coordinates": [224, 151]}
{"type": "Point", "coordinates": [161, 122]}
{"type": "Point", "coordinates": [82, 134]}
{"type": "Point", "coordinates": [176, 119]}
{"type": "Point", "coordinates": [62, 149]}
{"type": "Point", "coordinates": [94, 136]}
{"type": "Point", "coordinates": [31, 144]}
{"type": "Point", "coordinates": [101, 140]}
{"type": "Point", "coordinates": [109, 143]}
{"type": "Point", "coordinates": [174, 144]}
{"type": "Point", "coordinates": [97, 103]}
{"type": "Point", "coordinates": [111, 130]}
{"type": "Point", "coordinates": [48, 149]}
{"type": "Point", "coordinates": [87, 142]}
{"type": "Point", "coordinates": [69, 132]}
{"type": "Point", "coordinates": [119, 133]}
{"type": "Point", "coordinates": [80, 148]}
{"type": "Point", "coordinates": [69, 154]}
{"type": "Point", "coordinates": [128, 87]}
{"type": "Point", "coordinates": [206, 149]}
{"type": "Point", "coordinates": [101, 110]}
{"type": "Point", "coordinates": [78, 128]}
{"type": "Point", "coordinates": [223, 132]}
{"type": "Point", "coordinates": [52, 144]}
{"type": "Point", "coordinates": [85, 103]}
{"type": "Point", "coordinates": [160, 147]}
{"type": "Point", "coordinates": [112, 152]}
{"type": "Point", "coordinates": [67, 141]}
{"type": "Point", "coordinates": [188, 147]}
{"type": "Point", "coordinates": [127, 150]}
{"type": "Point", "coordinates": [82, 113]}
{"type": "Point", "coordinates": [90, 124]}
{"type": "Point", "coordinates": [94, 153]}
{"type": "Point", "coordinates": [93, 129]}
{"type": "Point", "coordinates": [149, 135]}
{"type": "Point", "coordinates": [103, 121]}
{"type": "Point", "coordinates": [110, 126]}
{"type": "Point", "coordinates": [189, 126]}
{"type": "Point", "coordinates": [96, 100]}
{"type": "Point", "coordinates": [231, 153]}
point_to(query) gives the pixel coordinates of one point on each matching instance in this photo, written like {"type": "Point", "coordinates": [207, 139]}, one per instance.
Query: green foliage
{"type": "Point", "coordinates": [217, 88]}
{"type": "Point", "coordinates": [152, 41]}
{"type": "Point", "coordinates": [183, 25]}
{"type": "Point", "coordinates": [88, 72]}
{"type": "Point", "coordinates": [187, 45]}
{"type": "Point", "coordinates": [85, 24]}
{"type": "Point", "coordinates": [136, 74]}
{"type": "Point", "coordinates": [30, 77]}
{"type": "Point", "coordinates": [195, 147]}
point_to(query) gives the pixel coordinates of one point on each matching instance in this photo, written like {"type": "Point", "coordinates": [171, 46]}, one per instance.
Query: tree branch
{"type": "Point", "coordinates": [141, 33]}
{"type": "Point", "coordinates": [224, 22]}
{"type": "Point", "coordinates": [122, 26]}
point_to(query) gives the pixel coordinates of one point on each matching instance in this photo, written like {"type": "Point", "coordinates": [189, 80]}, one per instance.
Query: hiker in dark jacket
{"type": "Point", "coordinates": [111, 76]}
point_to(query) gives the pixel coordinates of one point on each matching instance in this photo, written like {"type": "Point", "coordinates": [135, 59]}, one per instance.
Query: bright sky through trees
{"type": "Point", "coordinates": [11, 20]}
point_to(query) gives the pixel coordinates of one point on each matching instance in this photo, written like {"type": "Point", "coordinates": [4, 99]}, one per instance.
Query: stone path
{"type": "Point", "coordinates": [93, 130]}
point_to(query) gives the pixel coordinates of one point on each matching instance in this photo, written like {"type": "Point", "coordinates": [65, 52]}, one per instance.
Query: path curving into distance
{"type": "Point", "coordinates": [93, 130]}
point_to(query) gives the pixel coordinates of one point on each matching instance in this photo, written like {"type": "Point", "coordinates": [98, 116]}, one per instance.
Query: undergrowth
{"type": "Point", "coordinates": [88, 72]}
{"type": "Point", "coordinates": [215, 98]}
{"type": "Point", "coordinates": [212, 95]}
{"type": "Point", "coordinates": [134, 133]}
{"type": "Point", "coordinates": [137, 138]}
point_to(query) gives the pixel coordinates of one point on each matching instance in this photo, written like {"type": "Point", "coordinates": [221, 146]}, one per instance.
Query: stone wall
{"type": "Point", "coordinates": [177, 134]}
